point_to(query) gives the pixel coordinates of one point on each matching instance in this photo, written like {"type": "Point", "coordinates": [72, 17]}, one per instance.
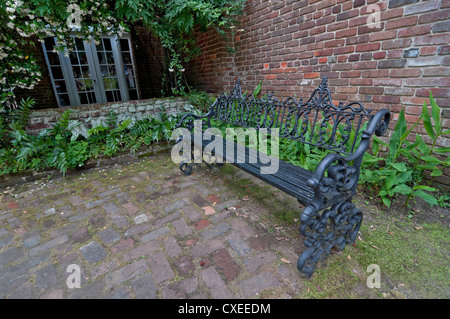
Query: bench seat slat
{"type": "Point", "coordinates": [290, 186]}
{"type": "Point", "coordinates": [289, 178]}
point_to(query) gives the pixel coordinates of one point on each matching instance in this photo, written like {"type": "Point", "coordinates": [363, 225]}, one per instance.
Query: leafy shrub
{"type": "Point", "coordinates": [404, 167]}
{"type": "Point", "coordinates": [63, 147]}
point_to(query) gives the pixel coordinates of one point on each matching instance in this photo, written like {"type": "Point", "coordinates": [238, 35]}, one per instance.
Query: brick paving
{"type": "Point", "coordinates": [144, 230]}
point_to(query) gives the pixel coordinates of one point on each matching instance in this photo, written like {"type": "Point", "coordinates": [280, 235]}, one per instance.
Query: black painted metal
{"type": "Point", "coordinates": [329, 219]}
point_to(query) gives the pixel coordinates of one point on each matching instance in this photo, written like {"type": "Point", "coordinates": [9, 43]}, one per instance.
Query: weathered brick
{"type": "Point", "coordinates": [425, 61]}
{"type": "Point", "coordinates": [422, 7]}
{"type": "Point", "coordinates": [357, 39]}
{"type": "Point", "coordinates": [123, 245]}
{"type": "Point", "coordinates": [387, 82]}
{"type": "Point", "coordinates": [368, 47]}
{"type": "Point", "coordinates": [154, 234]}
{"type": "Point", "coordinates": [441, 26]}
{"type": "Point", "coordinates": [403, 73]}
{"type": "Point", "coordinates": [434, 16]}
{"type": "Point", "coordinates": [437, 92]}
{"type": "Point", "coordinates": [401, 22]}
{"type": "Point", "coordinates": [361, 82]}
{"type": "Point", "coordinates": [192, 213]}
{"type": "Point", "coordinates": [10, 255]}
{"type": "Point", "coordinates": [397, 43]}
{"type": "Point", "coordinates": [386, 99]}
{"type": "Point", "coordinates": [311, 75]}
{"type": "Point", "coordinates": [398, 3]}
{"type": "Point", "coordinates": [411, 53]}
{"type": "Point", "coordinates": [160, 267]}
{"type": "Point", "coordinates": [144, 287]}
{"type": "Point", "coordinates": [371, 90]}
{"type": "Point", "coordinates": [48, 245]}
{"type": "Point", "coordinates": [171, 247]}
{"type": "Point", "coordinates": [382, 35]}
{"type": "Point", "coordinates": [427, 82]}
{"type": "Point", "coordinates": [358, 3]}
{"type": "Point", "coordinates": [425, 51]}
{"type": "Point", "coordinates": [254, 285]}
{"type": "Point", "coordinates": [126, 273]}
{"type": "Point", "coordinates": [200, 250]}
{"type": "Point", "coordinates": [379, 55]}
{"type": "Point", "coordinates": [346, 33]}
{"type": "Point", "coordinates": [93, 252]}
{"type": "Point", "coordinates": [109, 236]}
{"type": "Point", "coordinates": [394, 54]}
{"type": "Point", "coordinates": [239, 246]}
{"type": "Point", "coordinates": [389, 64]}
{"type": "Point", "coordinates": [201, 224]}
{"type": "Point", "coordinates": [226, 264]}
{"type": "Point", "coordinates": [347, 15]}
{"type": "Point", "coordinates": [130, 208]}
{"type": "Point", "coordinates": [175, 205]}
{"type": "Point", "coordinates": [350, 74]}
{"type": "Point", "coordinates": [432, 39]}
{"type": "Point", "coordinates": [365, 65]}
{"type": "Point", "coordinates": [413, 31]}
{"type": "Point", "coordinates": [215, 231]}
{"type": "Point", "coordinates": [141, 251]}
{"type": "Point", "coordinates": [181, 227]}
{"type": "Point", "coordinates": [215, 284]}
{"type": "Point", "coordinates": [375, 73]}
{"type": "Point", "coordinates": [184, 265]}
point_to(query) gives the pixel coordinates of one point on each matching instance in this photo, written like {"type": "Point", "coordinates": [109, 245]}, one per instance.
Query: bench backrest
{"type": "Point", "coordinates": [317, 121]}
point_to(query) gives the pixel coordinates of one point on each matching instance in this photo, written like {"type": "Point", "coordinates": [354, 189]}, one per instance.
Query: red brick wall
{"type": "Point", "coordinates": [291, 45]}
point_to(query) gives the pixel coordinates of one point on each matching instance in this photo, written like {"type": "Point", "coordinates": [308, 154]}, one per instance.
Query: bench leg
{"type": "Point", "coordinates": [336, 227]}
{"type": "Point", "coordinates": [186, 166]}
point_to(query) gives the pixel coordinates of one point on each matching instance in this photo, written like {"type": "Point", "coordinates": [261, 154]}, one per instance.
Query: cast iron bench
{"type": "Point", "coordinates": [329, 218]}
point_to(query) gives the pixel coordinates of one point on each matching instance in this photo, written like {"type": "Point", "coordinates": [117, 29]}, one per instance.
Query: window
{"type": "Point", "coordinates": [93, 73]}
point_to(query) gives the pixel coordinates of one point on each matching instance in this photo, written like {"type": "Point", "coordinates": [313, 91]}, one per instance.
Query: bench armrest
{"type": "Point", "coordinates": [344, 176]}
{"type": "Point", "coordinates": [187, 121]}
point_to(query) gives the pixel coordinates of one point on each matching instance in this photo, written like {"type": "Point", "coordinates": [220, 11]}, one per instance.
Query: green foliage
{"type": "Point", "coordinates": [257, 89]}
{"type": "Point", "coordinates": [61, 147]}
{"type": "Point", "coordinates": [407, 161]}
{"type": "Point", "coordinates": [200, 100]}
{"type": "Point", "coordinates": [172, 21]}
{"type": "Point", "coordinates": [24, 22]}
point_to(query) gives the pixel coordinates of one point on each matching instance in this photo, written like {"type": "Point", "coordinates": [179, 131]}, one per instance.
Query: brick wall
{"type": "Point", "coordinates": [291, 45]}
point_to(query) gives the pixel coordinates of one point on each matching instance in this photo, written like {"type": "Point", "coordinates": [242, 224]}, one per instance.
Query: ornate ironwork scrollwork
{"type": "Point", "coordinates": [336, 227]}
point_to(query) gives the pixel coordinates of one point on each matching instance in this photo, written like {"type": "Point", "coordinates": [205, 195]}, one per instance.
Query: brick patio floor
{"type": "Point", "coordinates": [144, 230]}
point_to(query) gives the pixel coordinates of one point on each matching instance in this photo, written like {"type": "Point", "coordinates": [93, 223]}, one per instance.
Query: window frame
{"type": "Point", "coordinates": [95, 71]}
